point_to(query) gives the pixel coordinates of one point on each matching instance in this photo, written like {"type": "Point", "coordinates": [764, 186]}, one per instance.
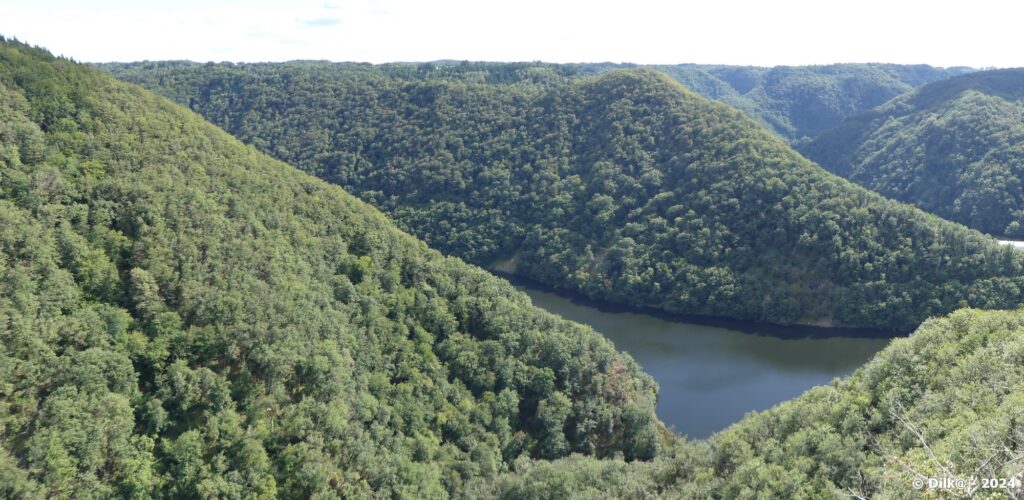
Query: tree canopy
{"type": "Point", "coordinates": [954, 148]}
{"type": "Point", "coordinates": [182, 316]}
{"type": "Point", "coordinates": [799, 103]}
{"type": "Point", "coordinates": [945, 403]}
{"type": "Point", "coordinates": [623, 186]}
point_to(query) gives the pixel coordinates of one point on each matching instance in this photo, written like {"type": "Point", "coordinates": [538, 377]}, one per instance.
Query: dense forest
{"type": "Point", "coordinates": [182, 316]}
{"type": "Point", "coordinates": [623, 186]}
{"type": "Point", "coordinates": [947, 402]}
{"type": "Point", "coordinates": [801, 102]}
{"type": "Point", "coordinates": [798, 103]}
{"type": "Point", "coordinates": [954, 148]}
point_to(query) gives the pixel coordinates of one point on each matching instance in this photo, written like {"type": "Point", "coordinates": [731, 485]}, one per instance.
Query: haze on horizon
{"type": "Point", "coordinates": [742, 32]}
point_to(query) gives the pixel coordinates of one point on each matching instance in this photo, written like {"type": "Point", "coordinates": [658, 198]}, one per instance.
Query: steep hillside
{"type": "Point", "coordinates": [801, 102]}
{"type": "Point", "coordinates": [796, 102]}
{"type": "Point", "coordinates": [954, 148]}
{"type": "Point", "coordinates": [624, 186]}
{"type": "Point", "coordinates": [946, 404]}
{"type": "Point", "coordinates": [182, 316]}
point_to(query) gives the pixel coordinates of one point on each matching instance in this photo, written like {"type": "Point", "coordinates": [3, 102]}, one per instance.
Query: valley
{"type": "Point", "coordinates": [952, 147]}
{"type": "Point", "coordinates": [711, 374]}
{"type": "Point", "coordinates": [623, 186]}
{"type": "Point", "coordinates": [514, 280]}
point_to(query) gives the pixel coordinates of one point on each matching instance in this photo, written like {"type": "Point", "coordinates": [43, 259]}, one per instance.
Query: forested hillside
{"type": "Point", "coordinates": [796, 102]}
{"type": "Point", "coordinates": [945, 404]}
{"type": "Point", "coordinates": [184, 317]}
{"type": "Point", "coordinates": [623, 186]}
{"type": "Point", "coordinates": [954, 148]}
{"type": "Point", "coordinates": [801, 102]}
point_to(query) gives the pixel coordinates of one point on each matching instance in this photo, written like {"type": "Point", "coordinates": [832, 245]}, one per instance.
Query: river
{"type": "Point", "coordinates": [711, 376]}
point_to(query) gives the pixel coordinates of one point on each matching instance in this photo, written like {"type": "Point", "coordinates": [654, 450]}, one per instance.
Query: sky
{"type": "Point", "coordinates": [978, 33]}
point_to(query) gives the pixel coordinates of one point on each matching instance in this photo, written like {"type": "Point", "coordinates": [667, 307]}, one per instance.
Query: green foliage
{"type": "Point", "coordinates": [576, 477]}
{"type": "Point", "coordinates": [799, 103]}
{"type": "Point", "coordinates": [944, 403]}
{"type": "Point", "coordinates": [624, 186]}
{"type": "Point", "coordinates": [183, 317]}
{"type": "Point", "coordinates": [954, 148]}
{"type": "Point", "coordinates": [796, 102]}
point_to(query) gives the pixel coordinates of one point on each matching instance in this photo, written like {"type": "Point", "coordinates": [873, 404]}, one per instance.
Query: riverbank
{"type": "Point", "coordinates": [790, 332]}
{"type": "Point", "coordinates": [711, 376]}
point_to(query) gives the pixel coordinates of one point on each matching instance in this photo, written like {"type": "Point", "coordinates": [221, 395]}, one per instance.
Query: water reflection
{"type": "Point", "coordinates": [710, 376]}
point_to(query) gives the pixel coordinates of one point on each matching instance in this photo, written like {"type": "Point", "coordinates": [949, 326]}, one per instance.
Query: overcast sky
{"type": "Point", "coordinates": [979, 33]}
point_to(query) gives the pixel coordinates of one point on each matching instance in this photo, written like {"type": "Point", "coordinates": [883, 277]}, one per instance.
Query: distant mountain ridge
{"type": "Point", "coordinates": [796, 102]}
{"type": "Point", "coordinates": [954, 148]}
{"type": "Point", "coordinates": [183, 317]}
{"type": "Point", "coordinates": [800, 102]}
{"type": "Point", "coordinates": [622, 185]}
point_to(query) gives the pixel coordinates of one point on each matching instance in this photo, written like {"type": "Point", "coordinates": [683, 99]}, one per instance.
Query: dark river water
{"type": "Point", "coordinates": [711, 376]}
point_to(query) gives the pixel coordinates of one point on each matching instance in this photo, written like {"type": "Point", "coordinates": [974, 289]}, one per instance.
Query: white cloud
{"type": "Point", "coordinates": [982, 33]}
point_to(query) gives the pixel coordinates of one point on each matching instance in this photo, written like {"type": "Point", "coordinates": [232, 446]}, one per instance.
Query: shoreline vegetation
{"type": "Point", "coordinates": [184, 316]}
{"type": "Point", "coordinates": [623, 185]}
{"type": "Point", "coordinates": [785, 332]}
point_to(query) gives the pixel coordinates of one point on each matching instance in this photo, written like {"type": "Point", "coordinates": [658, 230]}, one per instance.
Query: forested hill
{"type": "Point", "coordinates": [796, 102]}
{"type": "Point", "coordinates": [945, 404]}
{"type": "Point", "coordinates": [801, 102]}
{"type": "Point", "coordinates": [624, 186]}
{"type": "Point", "coordinates": [182, 316]}
{"type": "Point", "coordinates": [954, 148]}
